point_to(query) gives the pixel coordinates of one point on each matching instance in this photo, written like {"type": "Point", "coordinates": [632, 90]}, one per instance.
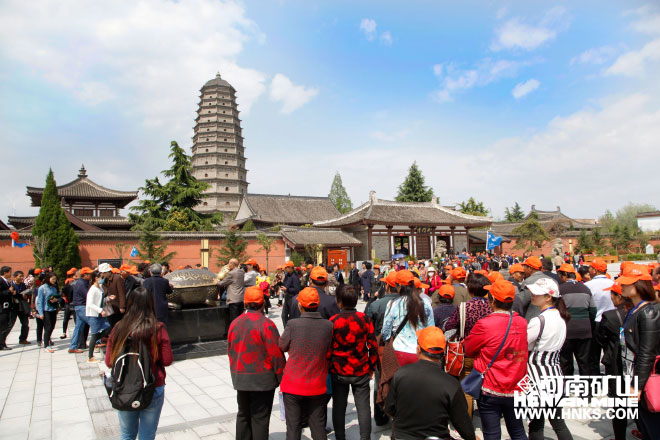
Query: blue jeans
{"type": "Point", "coordinates": [81, 320]}
{"type": "Point", "coordinates": [143, 423]}
{"type": "Point", "coordinates": [491, 408]}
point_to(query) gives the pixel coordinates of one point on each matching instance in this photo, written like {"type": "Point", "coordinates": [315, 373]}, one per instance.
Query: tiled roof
{"type": "Point", "coordinates": [289, 210]}
{"type": "Point", "coordinates": [128, 235]}
{"type": "Point", "coordinates": [327, 237]}
{"type": "Point", "coordinates": [217, 81]}
{"type": "Point", "coordinates": [83, 223]}
{"type": "Point", "coordinates": [405, 213]}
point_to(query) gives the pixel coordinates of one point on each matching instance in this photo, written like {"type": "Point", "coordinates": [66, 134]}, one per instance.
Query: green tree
{"type": "Point", "coordinates": [339, 196]}
{"type": "Point", "coordinates": [266, 243]}
{"type": "Point", "coordinates": [607, 221]}
{"type": "Point", "coordinates": [170, 206]}
{"type": "Point", "coordinates": [626, 216]}
{"type": "Point", "coordinates": [622, 237]}
{"type": "Point", "coordinates": [55, 233]}
{"type": "Point", "coordinates": [233, 247]}
{"type": "Point", "coordinates": [472, 207]}
{"type": "Point", "coordinates": [584, 243]}
{"type": "Point", "coordinates": [297, 258]}
{"type": "Point", "coordinates": [248, 226]}
{"type": "Point", "coordinates": [413, 189]}
{"type": "Point", "coordinates": [515, 214]}
{"type": "Point", "coordinates": [597, 238]}
{"type": "Point", "coordinates": [531, 234]}
{"type": "Point", "coordinates": [152, 248]}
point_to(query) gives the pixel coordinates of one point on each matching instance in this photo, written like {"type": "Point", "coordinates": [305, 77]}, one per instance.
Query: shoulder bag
{"type": "Point", "coordinates": [652, 389]}
{"type": "Point", "coordinates": [388, 364]}
{"type": "Point", "coordinates": [455, 354]}
{"type": "Point", "coordinates": [472, 383]}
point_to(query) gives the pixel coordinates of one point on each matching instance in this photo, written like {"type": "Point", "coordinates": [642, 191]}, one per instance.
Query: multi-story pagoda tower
{"type": "Point", "coordinates": [218, 156]}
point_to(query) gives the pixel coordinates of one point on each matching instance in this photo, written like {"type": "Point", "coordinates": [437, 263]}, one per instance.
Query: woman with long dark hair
{"type": "Point", "coordinates": [46, 302]}
{"type": "Point", "coordinates": [410, 312]}
{"type": "Point", "coordinates": [140, 324]}
{"type": "Point", "coordinates": [546, 334]}
{"type": "Point", "coordinates": [99, 326]}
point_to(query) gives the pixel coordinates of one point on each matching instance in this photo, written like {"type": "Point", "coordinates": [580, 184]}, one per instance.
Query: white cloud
{"type": "Point", "coordinates": [368, 27]}
{"type": "Point", "coordinates": [291, 96]}
{"type": "Point", "coordinates": [635, 62]}
{"type": "Point", "coordinates": [516, 34]}
{"type": "Point", "coordinates": [455, 79]}
{"type": "Point", "coordinates": [525, 88]}
{"type": "Point", "coordinates": [597, 55]}
{"type": "Point", "coordinates": [386, 38]}
{"type": "Point", "coordinates": [151, 56]}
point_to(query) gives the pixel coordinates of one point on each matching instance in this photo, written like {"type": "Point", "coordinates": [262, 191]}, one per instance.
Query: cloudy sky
{"type": "Point", "coordinates": [553, 105]}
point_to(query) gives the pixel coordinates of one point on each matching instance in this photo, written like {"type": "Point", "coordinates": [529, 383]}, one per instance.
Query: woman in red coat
{"type": "Point", "coordinates": [510, 366]}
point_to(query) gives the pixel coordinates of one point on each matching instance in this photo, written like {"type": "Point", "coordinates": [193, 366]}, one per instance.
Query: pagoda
{"type": "Point", "coordinates": [88, 205]}
{"type": "Point", "coordinates": [218, 155]}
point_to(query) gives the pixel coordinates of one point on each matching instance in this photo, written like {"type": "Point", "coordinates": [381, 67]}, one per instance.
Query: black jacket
{"type": "Point", "coordinates": [292, 283]}
{"type": "Point", "coordinates": [423, 399]}
{"type": "Point", "coordinates": [327, 308]}
{"type": "Point", "coordinates": [80, 289]}
{"type": "Point", "coordinates": [642, 334]}
{"type": "Point", "coordinates": [354, 278]}
{"type": "Point", "coordinates": [607, 336]}
{"type": "Point", "coordinates": [5, 297]}
{"type": "Point", "coordinates": [130, 283]}
{"type": "Point", "coordinates": [160, 288]}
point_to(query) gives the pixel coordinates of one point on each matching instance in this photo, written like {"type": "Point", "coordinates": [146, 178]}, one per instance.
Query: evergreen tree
{"type": "Point", "coordinates": [150, 247]}
{"type": "Point", "coordinates": [233, 247]}
{"type": "Point", "coordinates": [53, 229]}
{"type": "Point", "coordinates": [413, 189]}
{"type": "Point", "coordinates": [472, 207]}
{"type": "Point", "coordinates": [266, 243]}
{"type": "Point", "coordinates": [248, 226]}
{"type": "Point", "coordinates": [531, 234]}
{"type": "Point", "coordinates": [584, 243]}
{"type": "Point", "coordinates": [339, 196]}
{"type": "Point", "coordinates": [170, 206]}
{"type": "Point", "coordinates": [514, 214]}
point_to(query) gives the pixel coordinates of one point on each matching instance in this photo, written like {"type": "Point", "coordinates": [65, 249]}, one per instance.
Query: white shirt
{"type": "Point", "coordinates": [602, 298]}
{"type": "Point", "coordinates": [554, 332]}
{"type": "Point", "coordinates": [94, 301]}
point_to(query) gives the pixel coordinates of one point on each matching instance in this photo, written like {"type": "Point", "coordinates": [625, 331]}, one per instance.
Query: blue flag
{"type": "Point", "coordinates": [492, 241]}
{"type": "Point", "coordinates": [14, 243]}
{"type": "Point", "coordinates": [134, 252]}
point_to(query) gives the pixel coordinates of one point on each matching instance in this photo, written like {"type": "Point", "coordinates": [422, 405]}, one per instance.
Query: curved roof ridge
{"type": "Point", "coordinates": [433, 205]}
{"type": "Point", "coordinates": [344, 216]}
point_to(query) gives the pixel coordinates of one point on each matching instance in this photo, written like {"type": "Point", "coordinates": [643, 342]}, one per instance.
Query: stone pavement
{"type": "Point", "coordinates": [61, 396]}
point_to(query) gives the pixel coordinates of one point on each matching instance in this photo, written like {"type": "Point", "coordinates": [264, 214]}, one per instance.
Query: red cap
{"type": "Point", "coordinates": [319, 274]}
{"type": "Point", "coordinates": [533, 262]}
{"type": "Point", "coordinates": [125, 267]}
{"type": "Point", "coordinates": [84, 270]}
{"type": "Point", "coordinates": [308, 297]}
{"type": "Point", "coordinates": [253, 294]}
{"type": "Point", "coordinates": [431, 339]}
{"type": "Point", "coordinates": [404, 277]}
{"type": "Point", "coordinates": [502, 290]}
{"type": "Point", "coordinates": [37, 271]}
{"type": "Point", "coordinates": [616, 287]}
{"type": "Point", "coordinates": [71, 271]}
{"type": "Point", "coordinates": [251, 262]}
{"type": "Point", "coordinates": [309, 266]}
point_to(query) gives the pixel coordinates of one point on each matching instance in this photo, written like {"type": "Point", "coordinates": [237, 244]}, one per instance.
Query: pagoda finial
{"type": "Point", "coordinates": [217, 75]}
{"type": "Point", "coordinates": [82, 172]}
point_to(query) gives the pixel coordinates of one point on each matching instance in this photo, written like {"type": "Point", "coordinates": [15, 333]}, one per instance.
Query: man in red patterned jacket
{"type": "Point", "coordinates": [256, 364]}
{"type": "Point", "coordinates": [353, 361]}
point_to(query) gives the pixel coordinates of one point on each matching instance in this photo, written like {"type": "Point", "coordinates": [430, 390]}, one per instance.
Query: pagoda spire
{"type": "Point", "coordinates": [82, 172]}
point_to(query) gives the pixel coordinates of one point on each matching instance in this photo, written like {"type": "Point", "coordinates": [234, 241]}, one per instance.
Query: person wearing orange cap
{"type": "Point", "coordinates": [446, 308]}
{"type": "Point", "coordinates": [290, 288]}
{"type": "Point", "coordinates": [308, 340]}
{"type": "Point", "coordinates": [517, 274]}
{"type": "Point", "coordinates": [126, 274]}
{"type": "Point", "coordinates": [532, 267]}
{"type": "Point", "coordinates": [306, 269]}
{"type": "Point", "coordinates": [366, 281]}
{"type": "Point", "coordinates": [79, 302]}
{"type": "Point", "coordinates": [458, 275]}
{"type": "Point", "coordinates": [501, 372]}
{"type": "Point", "coordinates": [602, 301]}
{"type": "Point", "coordinates": [234, 282]}
{"type": "Point", "coordinates": [67, 296]}
{"type": "Point", "coordinates": [256, 364]}
{"type": "Point", "coordinates": [423, 399]}
{"type": "Point", "coordinates": [251, 273]}
{"type": "Point", "coordinates": [318, 279]}
{"type": "Point", "coordinates": [115, 285]}
{"type": "Point", "coordinates": [642, 338]}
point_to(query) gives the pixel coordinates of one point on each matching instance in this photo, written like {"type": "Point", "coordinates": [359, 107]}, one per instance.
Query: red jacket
{"type": "Point", "coordinates": [511, 364]}
{"type": "Point", "coordinates": [435, 282]}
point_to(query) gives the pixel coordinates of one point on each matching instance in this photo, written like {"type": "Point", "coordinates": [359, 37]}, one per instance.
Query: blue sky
{"type": "Point", "coordinates": [547, 104]}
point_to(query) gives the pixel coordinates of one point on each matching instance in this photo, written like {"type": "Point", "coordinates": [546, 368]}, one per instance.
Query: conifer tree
{"type": "Point", "coordinates": [53, 229]}
{"type": "Point", "coordinates": [531, 234]}
{"type": "Point", "coordinates": [472, 207]}
{"type": "Point", "coordinates": [233, 247]}
{"type": "Point", "coordinates": [339, 196]}
{"type": "Point", "coordinates": [413, 189]}
{"type": "Point", "coordinates": [150, 247]}
{"type": "Point", "coordinates": [515, 214]}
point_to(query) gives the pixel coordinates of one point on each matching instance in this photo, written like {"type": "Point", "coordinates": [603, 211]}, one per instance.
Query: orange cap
{"type": "Point", "coordinates": [502, 290]}
{"type": "Point", "coordinates": [289, 264]}
{"type": "Point", "coordinates": [308, 297]}
{"type": "Point", "coordinates": [253, 294]}
{"type": "Point", "coordinates": [431, 339]}
{"type": "Point", "coordinates": [125, 267]}
{"type": "Point", "coordinates": [390, 279]}
{"type": "Point", "coordinates": [448, 267]}
{"type": "Point", "coordinates": [114, 270]}
{"type": "Point", "coordinates": [482, 272]}
{"type": "Point", "coordinates": [458, 273]}
{"type": "Point", "coordinates": [84, 270]}
{"type": "Point", "coordinates": [447, 291]}
{"type": "Point", "coordinates": [309, 266]}
{"type": "Point", "coordinates": [251, 262]}
{"type": "Point", "coordinates": [376, 266]}
{"type": "Point", "coordinates": [494, 276]}
{"type": "Point", "coordinates": [319, 274]}
{"type": "Point", "coordinates": [578, 277]}
{"type": "Point", "coordinates": [599, 265]}
{"type": "Point", "coordinates": [37, 271]}
{"type": "Point", "coordinates": [71, 271]}
{"type": "Point", "coordinates": [568, 268]}
{"type": "Point", "coordinates": [634, 273]}
{"type": "Point", "coordinates": [533, 262]}
{"type": "Point", "coordinates": [616, 287]}
{"type": "Point", "coordinates": [133, 270]}
{"type": "Point", "coordinates": [404, 277]}
{"type": "Point", "coordinates": [420, 285]}
{"type": "Point", "coordinates": [516, 268]}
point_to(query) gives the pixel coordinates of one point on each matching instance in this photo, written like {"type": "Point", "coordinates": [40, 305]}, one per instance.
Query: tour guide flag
{"type": "Point", "coordinates": [14, 240]}
{"type": "Point", "coordinates": [492, 241]}
{"type": "Point", "coordinates": [134, 252]}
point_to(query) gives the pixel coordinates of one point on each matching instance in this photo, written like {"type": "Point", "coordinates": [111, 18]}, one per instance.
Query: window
{"type": "Point", "coordinates": [205, 203]}
{"type": "Point", "coordinates": [227, 203]}
{"type": "Point", "coordinates": [225, 150]}
{"type": "Point", "coordinates": [226, 162]}
{"type": "Point", "coordinates": [226, 188]}
{"type": "Point", "coordinates": [226, 174]}
{"type": "Point", "coordinates": [224, 120]}
{"type": "Point", "coordinates": [225, 139]}
{"type": "Point", "coordinates": [207, 150]}
{"type": "Point", "coordinates": [208, 129]}
{"type": "Point", "coordinates": [225, 129]}
{"type": "Point", "coordinates": [223, 111]}
{"type": "Point", "coordinates": [209, 111]}
{"type": "Point", "coordinates": [206, 162]}
{"type": "Point", "coordinates": [206, 175]}
{"type": "Point", "coordinates": [207, 139]}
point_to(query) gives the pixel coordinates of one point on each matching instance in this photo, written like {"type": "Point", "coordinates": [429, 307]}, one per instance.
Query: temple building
{"type": "Point", "coordinates": [218, 155]}
{"type": "Point", "coordinates": [88, 205]}
{"type": "Point", "coordinates": [268, 210]}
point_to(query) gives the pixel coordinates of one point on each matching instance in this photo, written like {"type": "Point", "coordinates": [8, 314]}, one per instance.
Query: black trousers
{"type": "Point", "coordinates": [380, 418]}
{"type": "Point", "coordinates": [286, 309]}
{"type": "Point", "coordinates": [235, 310]}
{"type": "Point", "coordinates": [340, 388]}
{"type": "Point", "coordinates": [578, 348]}
{"type": "Point", "coordinates": [253, 417]}
{"type": "Point", "coordinates": [313, 406]}
{"type": "Point", "coordinates": [40, 329]}
{"type": "Point", "coordinates": [50, 319]}
{"type": "Point", "coordinates": [5, 327]}
{"type": "Point", "coordinates": [84, 333]}
{"type": "Point", "coordinates": [95, 338]}
{"type": "Point", "coordinates": [595, 353]}
{"type": "Point", "coordinates": [115, 318]}
{"type": "Point", "coordinates": [24, 319]}
{"type": "Point", "coordinates": [558, 425]}
{"type": "Point", "coordinates": [69, 311]}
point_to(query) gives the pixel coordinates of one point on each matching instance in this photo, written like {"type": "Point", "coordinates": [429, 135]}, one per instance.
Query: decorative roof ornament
{"type": "Point", "coordinates": [82, 172]}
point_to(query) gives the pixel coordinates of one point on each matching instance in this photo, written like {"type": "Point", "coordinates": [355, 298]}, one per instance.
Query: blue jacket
{"type": "Point", "coordinates": [366, 279]}
{"type": "Point", "coordinates": [159, 288]}
{"type": "Point", "coordinates": [44, 293]}
{"type": "Point", "coordinates": [80, 289]}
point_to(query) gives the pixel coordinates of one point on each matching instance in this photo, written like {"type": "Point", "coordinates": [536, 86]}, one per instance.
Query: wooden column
{"type": "Point", "coordinates": [467, 236]}
{"type": "Point", "coordinates": [412, 245]}
{"type": "Point", "coordinates": [453, 240]}
{"type": "Point", "coordinates": [434, 241]}
{"type": "Point", "coordinates": [389, 241]}
{"type": "Point", "coordinates": [369, 232]}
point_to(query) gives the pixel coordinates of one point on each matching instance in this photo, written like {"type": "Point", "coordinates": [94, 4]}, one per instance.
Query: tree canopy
{"type": "Point", "coordinates": [531, 234]}
{"type": "Point", "coordinates": [472, 207]}
{"type": "Point", "coordinates": [413, 189]}
{"type": "Point", "coordinates": [58, 241]}
{"type": "Point", "coordinates": [515, 214]}
{"type": "Point", "coordinates": [339, 196]}
{"type": "Point", "coordinates": [170, 206]}
{"type": "Point", "coordinates": [234, 246]}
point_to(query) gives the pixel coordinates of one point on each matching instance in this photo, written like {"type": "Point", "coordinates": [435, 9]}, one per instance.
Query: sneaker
{"type": "Point", "coordinates": [97, 349]}
{"type": "Point", "coordinates": [92, 360]}
{"type": "Point", "coordinates": [24, 342]}
{"type": "Point", "coordinates": [49, 350]}
{"type": "Point", "coordinates": [39, 343]}
{"type": "Point", "coordinates": [75, 350]}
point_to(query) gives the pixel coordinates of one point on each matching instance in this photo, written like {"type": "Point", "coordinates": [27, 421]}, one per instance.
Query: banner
{"type": "Point", "coordinates": [492, 241]}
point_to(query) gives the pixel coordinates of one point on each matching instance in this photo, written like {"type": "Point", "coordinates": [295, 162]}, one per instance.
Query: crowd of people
{"type": "Point", "coordinates": [425, 333]}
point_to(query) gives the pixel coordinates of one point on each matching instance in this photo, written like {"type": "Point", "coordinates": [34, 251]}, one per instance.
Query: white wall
{"type": "Point", "coordinates": [649, 224]}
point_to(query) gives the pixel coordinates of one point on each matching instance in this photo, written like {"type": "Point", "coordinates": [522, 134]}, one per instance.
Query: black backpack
{"type": "Point", "coordinates": [131, 383]}
{"type": "Point", "coordinates": [505, 263]}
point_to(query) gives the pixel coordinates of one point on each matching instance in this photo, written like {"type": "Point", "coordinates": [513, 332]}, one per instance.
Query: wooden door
{"type": "Point", "coordinates": [337, 256]}
{"type": "Point", "coordinates": [423, 243]}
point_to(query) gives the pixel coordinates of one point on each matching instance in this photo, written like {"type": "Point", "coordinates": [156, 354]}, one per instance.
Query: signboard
{"type": "Point", "coordinates": [423, 230]}
{"type": "Point", "coordinates": [114, 262]}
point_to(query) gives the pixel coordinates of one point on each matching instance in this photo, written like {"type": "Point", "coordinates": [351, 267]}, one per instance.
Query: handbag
{"type": "Point", "coordinates": [652, 389]}
{"type": "Point", "coordinates": [472, 383]}
{"type": "Point", "coordinates": [388, 363]}
{"type": "Point", "coordinates": [455, 353]}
